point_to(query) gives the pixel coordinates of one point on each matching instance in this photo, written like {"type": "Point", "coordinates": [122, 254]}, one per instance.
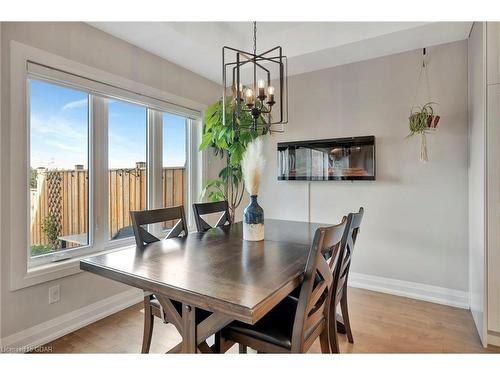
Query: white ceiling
{"type": "Point", "coordinates": [309, 45]}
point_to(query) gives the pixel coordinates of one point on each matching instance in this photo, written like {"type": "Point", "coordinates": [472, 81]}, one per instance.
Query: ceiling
{"type": "Point", "coordinates": [309, 46]}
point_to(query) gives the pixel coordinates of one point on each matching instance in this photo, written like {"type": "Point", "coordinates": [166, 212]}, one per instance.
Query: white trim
{"type": "Point", "coordinates": [424, 292]}
{"type": "Point", "coordinates": [50, 330]}
{"type": "Point", "coordinates": [493, 339]}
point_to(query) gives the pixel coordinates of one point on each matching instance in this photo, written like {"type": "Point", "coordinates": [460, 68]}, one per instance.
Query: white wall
{"type": "Point", "coordinates": [415, 223]}
{"type": "Point", "coordinates": [477, 175]}
{"type": "Point", "coordinates": [27, 307]}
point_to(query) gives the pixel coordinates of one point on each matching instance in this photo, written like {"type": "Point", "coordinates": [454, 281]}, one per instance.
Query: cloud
{"type": "Point", "coordinates": [65, 146]}
{"type": "Point", "coordinates": [57, 126]}
{"type": "Point", "coordinates": [82, 103]}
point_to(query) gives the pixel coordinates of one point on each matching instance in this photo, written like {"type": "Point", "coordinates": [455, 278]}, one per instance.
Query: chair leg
{"type": "Point", "coordinates": [242, 349]}
{"type": "Point", "coordinates": [148, 326]}
{"type": "Point", "coordinates": [323, 340]}
{"type": "Point", "coordinates": [332, 330]}
{"type": "Point", "coordinates": [345, 316]}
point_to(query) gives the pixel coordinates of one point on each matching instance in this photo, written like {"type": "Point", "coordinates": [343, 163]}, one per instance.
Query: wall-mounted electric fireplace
{"type": "Point", "coordinates": [327, 159]}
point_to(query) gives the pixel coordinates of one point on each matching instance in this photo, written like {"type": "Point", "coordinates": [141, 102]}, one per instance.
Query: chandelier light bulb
{"type": "Point", "coordinates": [249, 97]}
{"type": "Point", "coordinates": [270, 96]}
{"type": "Point", "coordinates": [261, 84]}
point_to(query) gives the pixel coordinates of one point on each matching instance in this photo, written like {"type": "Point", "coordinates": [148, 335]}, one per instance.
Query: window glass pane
{"type": "Point", "coordinates": [127, 165]}
{"type": "Point", "coordinates": [58, 179]}
{"type": "Point", "coordinates": [174, 161]}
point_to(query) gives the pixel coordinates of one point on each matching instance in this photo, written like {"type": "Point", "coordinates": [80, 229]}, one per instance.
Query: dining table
{"type": "Point", "coordinates": [216, 271]}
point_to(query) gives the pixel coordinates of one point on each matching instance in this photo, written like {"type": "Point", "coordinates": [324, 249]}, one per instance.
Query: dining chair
{"type": "Point", "coordinates": [152, 306]}
{"type": "Point", "coordinates": [342, 323]}
{"type": "Point", "coordinates": [295, 323]}
{"type": "Point", "coordinates": [211, 208]}
{"type": "Point", "coordinates": [148, 217]}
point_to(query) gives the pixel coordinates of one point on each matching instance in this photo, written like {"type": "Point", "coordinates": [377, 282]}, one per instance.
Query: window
{"type": "Point", "coordinates": [61, 125]}
{"type": "Point", "coordinates": [71, 125]}
{"type": "Point", "coordinates": [174, 133]}
{"type": "Point", "coordinates": [58, 174]}
{"type": "Point", "coordinates": [127, 164]}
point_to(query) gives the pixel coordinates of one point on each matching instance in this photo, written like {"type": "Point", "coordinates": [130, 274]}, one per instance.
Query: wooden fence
{"type": "Point", "coordinates": [63, 196]}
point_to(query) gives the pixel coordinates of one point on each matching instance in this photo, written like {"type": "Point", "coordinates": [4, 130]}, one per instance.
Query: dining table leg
{"type": "Point", "coordinates": [189, 329]}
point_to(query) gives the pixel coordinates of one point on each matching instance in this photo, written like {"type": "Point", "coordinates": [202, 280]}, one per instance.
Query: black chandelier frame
{"type": "Point", "coordinates": [242, 58]}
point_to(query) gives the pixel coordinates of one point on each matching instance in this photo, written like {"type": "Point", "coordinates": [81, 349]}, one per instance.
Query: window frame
{"type": "Point", "coordinates": [92, 81]}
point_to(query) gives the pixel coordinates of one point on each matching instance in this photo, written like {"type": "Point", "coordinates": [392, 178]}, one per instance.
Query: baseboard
{"type": "Point", "coordinates": [424, 292]}
{"type": "Point", "coordinates": [43, 333]}
{"type": "Point", "coordinates": [493, 338]}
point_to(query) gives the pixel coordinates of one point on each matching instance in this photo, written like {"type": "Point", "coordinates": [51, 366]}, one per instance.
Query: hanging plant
{"type": "Point", "coordinates": [423, 118]}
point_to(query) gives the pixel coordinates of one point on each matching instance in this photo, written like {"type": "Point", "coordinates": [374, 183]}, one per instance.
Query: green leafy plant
{"type": "Point", "coordinates": [50, 229]}
{"type": "Point", "coordinates": [228, 141]}
{"type": "Point", "coordinates": [422, 119]}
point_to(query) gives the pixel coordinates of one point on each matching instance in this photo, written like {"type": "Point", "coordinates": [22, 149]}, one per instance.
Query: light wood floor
{"type": "Point", "coordinates": [381, 323]}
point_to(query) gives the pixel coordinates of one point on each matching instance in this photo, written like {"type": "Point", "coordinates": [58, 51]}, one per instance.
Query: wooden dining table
{"type": "Point", "coordinates": [216, 271]}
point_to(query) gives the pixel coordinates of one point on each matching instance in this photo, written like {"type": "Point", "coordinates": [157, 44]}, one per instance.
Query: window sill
{"type": "Point", "coordinates": [55, 270]}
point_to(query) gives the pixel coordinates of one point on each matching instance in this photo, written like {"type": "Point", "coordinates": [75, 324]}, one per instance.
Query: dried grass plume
{"type": "Point", "coordinates": [252, 165]}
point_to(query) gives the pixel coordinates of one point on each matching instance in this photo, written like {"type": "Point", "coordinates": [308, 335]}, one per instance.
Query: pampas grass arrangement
{"type": "Point", "coordinates": [252, 165]}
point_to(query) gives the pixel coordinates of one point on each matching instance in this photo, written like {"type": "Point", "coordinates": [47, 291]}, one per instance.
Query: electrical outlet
{"type": "Point", "coordinates": [54, 294]}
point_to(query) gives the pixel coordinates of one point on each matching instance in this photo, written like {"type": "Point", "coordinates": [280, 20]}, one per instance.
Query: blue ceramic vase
{"type": "Point", "coordinates": [253, 221]}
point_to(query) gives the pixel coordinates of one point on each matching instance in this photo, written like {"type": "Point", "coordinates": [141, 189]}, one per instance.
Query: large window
{"type": "Point", "coordinates": [127, 162]}
{"type": "Point", "coordinates": [58, 175]}
{"type": "Point", "coordinates": [71, 128]}
{"type": "Point", "coordinates": [138, 161]}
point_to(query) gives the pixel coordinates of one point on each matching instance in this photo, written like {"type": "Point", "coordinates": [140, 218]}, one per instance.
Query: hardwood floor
{"type": "Point", "coordinates": [381, 323]}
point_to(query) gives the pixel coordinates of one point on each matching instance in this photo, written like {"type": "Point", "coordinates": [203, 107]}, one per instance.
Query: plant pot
{"type": "Point", "coordinates": [253, 221]}
{"type": "Point", "coordinates": [432, 121]}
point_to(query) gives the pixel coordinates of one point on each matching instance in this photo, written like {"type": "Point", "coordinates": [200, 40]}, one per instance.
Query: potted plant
{"type": "Point", "coordinates": [421, 120]}
{"type": "Point", "coordinates": [228, 141]}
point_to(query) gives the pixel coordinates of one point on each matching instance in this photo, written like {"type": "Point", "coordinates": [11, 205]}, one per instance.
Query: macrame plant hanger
{"type": "Point", "coordinates": [423, 72]}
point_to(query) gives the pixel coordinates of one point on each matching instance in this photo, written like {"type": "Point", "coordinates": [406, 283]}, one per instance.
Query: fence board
{"type": "Point", "coordinates": [126, 192]}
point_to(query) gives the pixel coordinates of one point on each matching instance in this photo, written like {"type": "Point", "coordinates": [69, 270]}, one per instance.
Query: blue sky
{"type": "Point", "coordinates": [59, 130]}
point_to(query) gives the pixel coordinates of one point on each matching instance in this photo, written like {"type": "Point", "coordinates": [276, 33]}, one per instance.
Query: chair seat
{"type": "Point", "coordinates": [276, 327]}
{"type": "Point", "coordinates": [200, 314]}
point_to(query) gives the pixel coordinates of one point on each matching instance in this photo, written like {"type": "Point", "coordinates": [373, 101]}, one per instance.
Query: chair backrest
{"type": "Point", "coordinates": [322, 268]}
{"type": "Point", "coordinates": [211, 208]}
{"type": "Point", "coordinates": [146, 217]}
{"type": "Point", "coordinates": [349, 239]}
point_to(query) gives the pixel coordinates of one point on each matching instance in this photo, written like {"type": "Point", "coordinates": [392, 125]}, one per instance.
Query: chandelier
{"type": "Point", "coordinates": [258, 87]}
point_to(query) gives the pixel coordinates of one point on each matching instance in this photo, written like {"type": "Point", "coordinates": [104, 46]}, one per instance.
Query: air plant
{"type": "Point", "coordinates": [252, 165]}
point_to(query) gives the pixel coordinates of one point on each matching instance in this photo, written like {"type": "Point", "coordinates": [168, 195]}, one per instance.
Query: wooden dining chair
{"type": "Point", "coordinates": [295, 323]}
{"type": "Point", "coordinates": [152, 306]}
{"type": "Point", "coordinates": [148, 217]}
{"type": "Point", "coordinates": [211, 208]}
{"type": "Point", "coordinates": [342, 323]}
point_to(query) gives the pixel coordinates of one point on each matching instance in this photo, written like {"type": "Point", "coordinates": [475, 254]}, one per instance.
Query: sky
{"type": "Point", "coordinates": [59, 130]}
